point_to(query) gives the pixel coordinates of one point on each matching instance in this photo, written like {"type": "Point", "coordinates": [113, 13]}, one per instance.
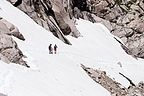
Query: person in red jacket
{"type": "Point", "coordinates": [55, 48]}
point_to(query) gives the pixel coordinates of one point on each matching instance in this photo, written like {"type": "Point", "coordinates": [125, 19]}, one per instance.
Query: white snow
{"type": "Point", "coordinates": [60, 74]}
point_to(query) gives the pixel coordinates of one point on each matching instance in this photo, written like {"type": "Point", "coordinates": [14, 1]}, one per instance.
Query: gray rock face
{"type": "Point", "coordinates": [9, 51]}
{"type": "Point", "coordinates": [124, 18]}
{"type": "Point", "coordinates": [52, 15]}
{"type": "Point", "coordinates": [115, 88]}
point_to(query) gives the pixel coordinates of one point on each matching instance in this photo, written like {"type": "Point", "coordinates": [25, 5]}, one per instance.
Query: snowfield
{"type": "Point", "coordinates": [60, 74]}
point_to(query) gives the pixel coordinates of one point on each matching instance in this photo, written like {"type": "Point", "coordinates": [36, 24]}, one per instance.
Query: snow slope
{"type": "Point", "coordinates": [60, 74]}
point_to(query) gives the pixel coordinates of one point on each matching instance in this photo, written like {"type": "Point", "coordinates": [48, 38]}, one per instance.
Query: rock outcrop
{"type": "Point", "coordinates": [9, 51]}
{"type": "Point", "coordinates": [2, 94]}
{"type": "Point", "coordinates": [115, 88]}
{"type": "Point", "coordinates": [50, 14]}
{"type": "Point", "coordinates": [124, 18]}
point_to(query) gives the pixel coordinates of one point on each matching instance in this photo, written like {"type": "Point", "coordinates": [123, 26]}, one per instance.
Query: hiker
{"type": "Point", "coordinates": [55, 48]}
{"type": "Point", "coordinates": [50, 49]}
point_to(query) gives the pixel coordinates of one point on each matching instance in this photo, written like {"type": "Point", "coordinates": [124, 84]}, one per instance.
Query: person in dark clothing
{"type": "Point", "coordinates": [55, 48]}
{"type": "Point", "coordinates": [50, 49]}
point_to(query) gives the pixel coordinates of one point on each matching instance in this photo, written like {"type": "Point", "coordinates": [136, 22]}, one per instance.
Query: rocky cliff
{"type": "Point", "coordinates": [9, 51]}
{"type": "Point", "coordinates": [124, 18]}
{"type": "Point", "coordinates": [50, 14]}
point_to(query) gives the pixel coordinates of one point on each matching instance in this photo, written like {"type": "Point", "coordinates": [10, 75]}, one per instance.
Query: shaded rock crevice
{"type": "Point", "coordinates": [18, 3]}
{"type": "Point", "coordinates": [80, 4]}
